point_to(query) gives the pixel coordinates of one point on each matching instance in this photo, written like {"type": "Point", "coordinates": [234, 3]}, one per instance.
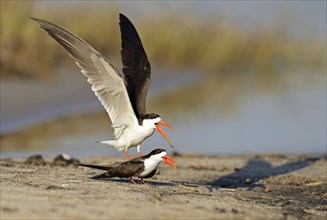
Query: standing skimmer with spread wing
{"type": "Point", "coordinates": [122, 95]}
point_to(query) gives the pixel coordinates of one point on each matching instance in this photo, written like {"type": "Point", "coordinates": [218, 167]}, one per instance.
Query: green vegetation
{"type": "Point", "coordinates": [215, 45]}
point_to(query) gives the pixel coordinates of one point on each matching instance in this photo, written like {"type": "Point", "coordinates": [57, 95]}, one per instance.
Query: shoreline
{"type": "Point", "coordinates": [270, 186]}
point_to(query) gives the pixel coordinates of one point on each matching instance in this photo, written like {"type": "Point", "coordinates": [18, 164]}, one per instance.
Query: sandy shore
{"type": "Point", "coordinates": [203, 187]}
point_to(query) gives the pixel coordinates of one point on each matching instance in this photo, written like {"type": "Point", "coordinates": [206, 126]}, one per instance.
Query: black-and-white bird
{"type": "Point", "coordinates": [143, 167]}
{"type": "Point", "coordinates": [122, 95]}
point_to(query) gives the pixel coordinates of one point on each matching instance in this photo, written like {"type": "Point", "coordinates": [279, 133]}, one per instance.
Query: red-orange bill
{"type": "Point", "coordinates": [161, 131]}
{"type": "Point", "coordinates": [168, 160]}
{"type": "Point", "coordinates": [166, 124]}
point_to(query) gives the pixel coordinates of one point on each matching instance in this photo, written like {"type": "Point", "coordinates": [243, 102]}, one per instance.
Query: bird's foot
{"type": "Point", "coordinates": [131, 179]}
{"type": "Point", "coordinates": [127, 155]}
{"type": "Point", "coordinates": [139, 150]}
{"type": "Point", "coordinates": [143, 182]}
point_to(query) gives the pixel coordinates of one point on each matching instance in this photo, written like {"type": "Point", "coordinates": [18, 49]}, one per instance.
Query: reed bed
{"type": "Point", "coordinates": [216, 45]}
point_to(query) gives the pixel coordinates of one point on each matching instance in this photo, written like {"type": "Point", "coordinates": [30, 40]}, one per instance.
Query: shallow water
{"type": "Point", "coordinates": [287, 115]}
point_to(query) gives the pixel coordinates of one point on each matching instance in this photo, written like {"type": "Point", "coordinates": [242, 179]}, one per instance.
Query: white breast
{"type": "Point", "coordinates": [149, 167]}
{"type": "Point", "coordinates": [152, 163]}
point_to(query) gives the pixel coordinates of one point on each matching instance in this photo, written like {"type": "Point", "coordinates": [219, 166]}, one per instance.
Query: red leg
{"type": "Point", "coordinates": [127, 155]}
{"type": "Point", "coordinates": [142, 180]}
{"type": "Point", "coordinates": [138, 150]}
{"type": "Point", "coordinates": [133, 180]}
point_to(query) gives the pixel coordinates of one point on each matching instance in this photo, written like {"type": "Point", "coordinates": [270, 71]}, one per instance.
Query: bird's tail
{"type": "Point", "coordinates": [95, 166]}
{"type": "Point", "coordinates": [113, 143]}
{"type": "Point", "coordinates": [103, 167]}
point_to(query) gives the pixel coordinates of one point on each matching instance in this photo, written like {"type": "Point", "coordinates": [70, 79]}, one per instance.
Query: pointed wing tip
{"type": "Point", "coordinates": [37, 20]}
{"type": "Point", "coordinates": [40, 22]}
{"type": "Point", "coordinates": [121, 15]}
{"type": "Point", "coordinates": [123, 18]}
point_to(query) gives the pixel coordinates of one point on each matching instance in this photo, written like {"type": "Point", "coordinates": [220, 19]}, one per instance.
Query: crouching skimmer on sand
{"type": "Point", "coordinates": [142, 167]}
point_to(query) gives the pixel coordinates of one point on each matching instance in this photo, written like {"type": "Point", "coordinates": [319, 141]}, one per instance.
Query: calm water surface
{"type": "Point", "coordinates": [288, 118]}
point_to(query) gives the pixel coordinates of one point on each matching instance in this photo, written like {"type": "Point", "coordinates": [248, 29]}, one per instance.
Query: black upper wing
{"type": "Point", "coordinates": [125, 170]}
{"type": "Point", "coordinates": [136, 67]}
{"type": "Point", "coordinates": [128, 169]}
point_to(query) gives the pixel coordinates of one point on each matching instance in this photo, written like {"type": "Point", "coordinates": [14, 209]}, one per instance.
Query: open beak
{"type": "Point", "coordinates": [161, 131]}
{"type": "Point", "coordinates": [168, 160]}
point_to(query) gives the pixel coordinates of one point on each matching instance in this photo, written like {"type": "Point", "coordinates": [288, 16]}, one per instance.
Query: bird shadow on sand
{"type": "Point", "coordinates": [258, 169]}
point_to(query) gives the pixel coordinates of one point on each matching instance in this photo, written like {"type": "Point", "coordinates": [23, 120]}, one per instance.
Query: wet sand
{"type": "Point", "coordinates": [269, 186]}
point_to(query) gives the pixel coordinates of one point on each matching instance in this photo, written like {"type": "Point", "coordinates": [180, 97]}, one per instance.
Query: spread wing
{"type": "Point", "coordinates": [107, 83]}
{"type": "Point", "coordinates": [136, 67]}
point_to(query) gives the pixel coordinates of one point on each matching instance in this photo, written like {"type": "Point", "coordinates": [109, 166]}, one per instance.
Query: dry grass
{"type": "Point", "coordinates": [216, 46]}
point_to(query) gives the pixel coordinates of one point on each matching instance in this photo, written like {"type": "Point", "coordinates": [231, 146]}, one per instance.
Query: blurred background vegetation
{"type": "Point", "coordinates": [216, 44]}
